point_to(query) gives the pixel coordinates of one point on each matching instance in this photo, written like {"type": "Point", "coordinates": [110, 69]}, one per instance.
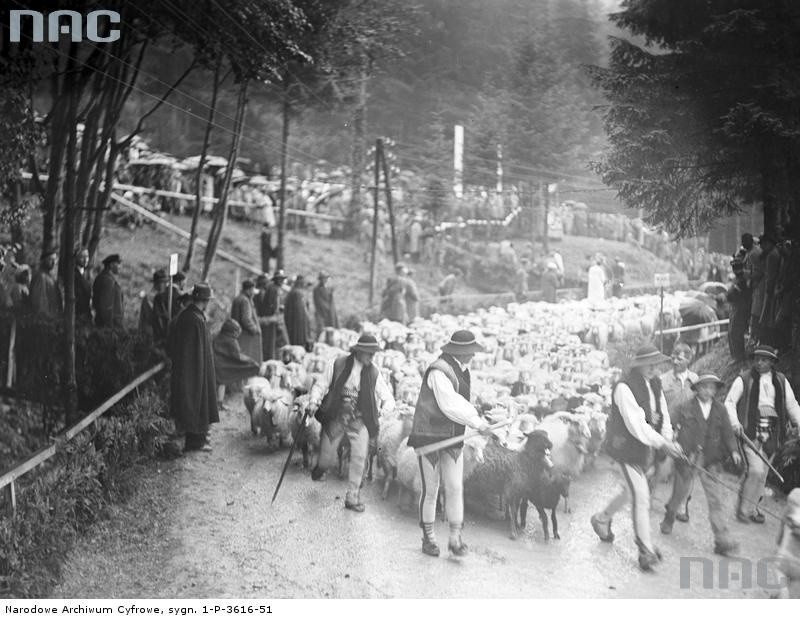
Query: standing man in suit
{"type": "Point", "coordinates": [107, 295]}
{"type": "Point", "coordinates": [83, 286]}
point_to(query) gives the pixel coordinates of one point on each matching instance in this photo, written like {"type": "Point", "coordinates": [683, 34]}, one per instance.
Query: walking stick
{"type": "Point", "coordinates": [455, 440]}
{"type": "Point", "coordinates": [291, 451]}
{"type": "Point", "coordinates": [746, 440]}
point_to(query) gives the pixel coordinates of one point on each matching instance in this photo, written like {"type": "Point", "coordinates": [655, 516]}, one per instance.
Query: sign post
{"type": "Point", "coordinates": [661, 280]}
{"type": "Point", "coordinates": [173, 270]}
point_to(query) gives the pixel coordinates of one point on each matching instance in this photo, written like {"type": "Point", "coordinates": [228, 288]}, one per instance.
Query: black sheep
{"type": "Point", "coordinates": [545, 495]}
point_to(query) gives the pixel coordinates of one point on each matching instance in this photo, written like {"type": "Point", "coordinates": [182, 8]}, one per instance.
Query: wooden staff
{"type": "Point", "coordinates": [455, 440]}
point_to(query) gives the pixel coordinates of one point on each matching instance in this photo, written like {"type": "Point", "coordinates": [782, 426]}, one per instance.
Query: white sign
{"type": "Point", "coordinates": [173, 265]}
{"type": "Point", "coordinates": [661, 280]}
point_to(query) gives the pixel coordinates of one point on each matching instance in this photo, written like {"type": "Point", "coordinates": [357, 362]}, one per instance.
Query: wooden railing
{"type": "Point", "coordinates": [8, 479]}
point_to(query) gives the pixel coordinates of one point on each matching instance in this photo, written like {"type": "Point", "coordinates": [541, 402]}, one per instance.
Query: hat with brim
{"type": "Point", "coordinates": [160, 276]}
{"type": "Point", "coordinates": [202, 292]}
{"type": "Point", "coordinates": [648, 355]}
{"type": "Point", "coordinates": [279, 276]}
{"type": "Point", "coordinates": [111, 259]}
{"type": "Point", "coordinates": [462, 342]}
{"type": "Point", "coordinates": [366, 343]}
{"type": "Point", "coordinates": [766, 351]}
{"type": "Point", "coordinates": [707, 378]}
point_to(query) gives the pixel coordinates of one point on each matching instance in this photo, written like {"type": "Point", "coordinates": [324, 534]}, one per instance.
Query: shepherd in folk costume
{"type": "Point", "coordinates": [324, 306]}
{"type": "Point", "coordinates": [443, 411]}
{"type": "Point", "coordinates": [244, 312]}
{"type": "Point", "coordinates": [759, 404]}
{"type": "Point", "coordinates": [351, 398]}
{"type": "Point", "coordinates": [705, 434]}
{"type": "Point", "coordinates": [192, 379]}
{"type": "Point", "coordinates": [638, 424]}
{"type": "Point", "coordinates": [298, 322]}
{"type": "Point", "coordinates": [230, 363]}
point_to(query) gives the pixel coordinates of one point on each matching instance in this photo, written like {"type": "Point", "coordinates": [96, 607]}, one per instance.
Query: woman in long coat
{"type": "Point", "coordinates": [230, 363]}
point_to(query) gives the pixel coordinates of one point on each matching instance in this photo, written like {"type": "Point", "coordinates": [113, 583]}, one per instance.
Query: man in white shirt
{"type": "Point", "coordinates": [759, 404]}
{"type": "Point", "coordinates": [638, 424]}
{"type": "Point", "coordinates": [443, 411]}
{"type": "Point", "coordinates": [350, 399]}
{"type": "Point", "coordinates": [705, 434]}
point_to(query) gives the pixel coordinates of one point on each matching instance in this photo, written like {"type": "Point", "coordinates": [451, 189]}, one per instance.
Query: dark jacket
{"type": "Point", "coordinates": [747, 407]}
{"type": "Point", "coordinates": [714, 435]}
{"type": "Point", "coordinates": [430, 423]}
{"type": "Point", "coordinates": [329, 408]}
{"type": "Point", "coordinates": [230, 363]}
{"type": "Point", "coordinates": [83, 295]}
{"type": "Point", "coordinates": [107, 301]}
{"type": "Point", "coordinates": [244, 312]}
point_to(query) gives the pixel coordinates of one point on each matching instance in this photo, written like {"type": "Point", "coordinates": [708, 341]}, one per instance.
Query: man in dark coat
{"type": "Point", "coordinates": [146, 311]}
{"type": "Point", "coordinates": [45, 294]}
{"type": "Point", "coordinates": [230, 363]}
{"type": "Point", "coordinates": [83, 286]}
{"type": "Point", "coordinates": [298, 323]}
{"type": "Point", "coordinates": [269, 309]}
{"type": "Point", "coordinates": [244, 312]}
{"type": "Point", "coordinates": [107, 295]}
{"type": "Point", "coordinates": [161, 313]}
{"type": "Point", "coordinates": [706, 436]}
{"type": "Point", "coordinates": [193, 402]}
{"type": "Point", "coordinates": [324, 306]}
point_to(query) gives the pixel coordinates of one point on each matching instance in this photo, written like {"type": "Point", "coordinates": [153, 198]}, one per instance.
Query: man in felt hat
{"type": "Point", "coordinates": [443, 411]}
{"type": "Point", "coordinates": [193, 401]}
{"type": "Point", "coordinates": [759, 404]}
{"type": "Point", "coordinates": [270, 314]}
{"type": "Point", "coordinates": [705, 434]}
{"type": "Point", "coordinates": [107, 299]}
{"type": "Point", "coordinates": [350, 398]}
{"type": "Point", "coordinates": [638, 424]}
{"type": "Point", "coordinates": [244, 312]}
{"type": "Point", "coordinates": [146, 310]}
{"type": "Point", "coordinates": [45, 294]}
{"type": "Point", "coordinates": [324, 305]}
{"type": "Point", "coordinates": [296, 315]}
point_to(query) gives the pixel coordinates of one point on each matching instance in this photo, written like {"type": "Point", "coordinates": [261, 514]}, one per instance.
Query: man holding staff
{"type": "Point", "coordinates": [443, 411]}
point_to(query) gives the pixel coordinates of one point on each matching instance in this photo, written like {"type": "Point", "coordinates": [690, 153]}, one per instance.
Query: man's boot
{"type": "Point", "coordinates": [668, 522]}
{"type": "Point", "coordinates": [647, 558]}
{"type": "Point", "coordinates": [429, 545]}
{"type": "Point", "coordinates": [455, 545]}
{"type": "Point", "coordinates": [318, 474]}
{"type": "Point", "coordinates": [685, 516]}
{"type": "Point", "coordinates": [602, 528]}
{"type": "Point", "coordinates": [353, 503]}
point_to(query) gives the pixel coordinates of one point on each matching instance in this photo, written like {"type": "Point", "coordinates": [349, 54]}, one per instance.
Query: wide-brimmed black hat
{"type": "Point", "coordinates": [262, 280]}
{"type": "Point", "coordinates": [366, 343]}
{"type": "Point", "coordinates": [765, 351]}
{"type": "Point", "coordinates": [462, 342]}
{"type": "Point", "coordinates": [248, 284]}
{"type": "Point", "coordinates": [707, 378]}
{"type": "Point", "coordinates": [179, 277]}
{"type": "Point", "coordinates": [279, 276]}
{"type": "Point", "coordinates": [648, 355]}
{"type": "Point", "coordinates": [202, 292]}
{"type": "Point", "coordinates": [160, 276]}
{"type": "Point", "coordinates": [111, 258]}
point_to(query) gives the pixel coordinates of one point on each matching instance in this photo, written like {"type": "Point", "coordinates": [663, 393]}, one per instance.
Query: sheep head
{"type": "Point", "coordinates": [538, 446]}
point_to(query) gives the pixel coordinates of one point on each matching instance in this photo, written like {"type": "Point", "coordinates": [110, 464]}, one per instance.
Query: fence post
{"type": "Point", "coordinates": [12, 343]}
{"type": "Point", "coordinates": [11, 496]}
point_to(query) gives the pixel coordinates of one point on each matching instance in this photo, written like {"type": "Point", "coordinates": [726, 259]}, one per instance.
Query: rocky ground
{"type": "Point", "coordinates": [203, 526]}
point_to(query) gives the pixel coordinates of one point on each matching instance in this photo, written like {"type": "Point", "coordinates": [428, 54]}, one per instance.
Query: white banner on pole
{"type": "Point", "coordinates": [173, 265]}
{"type": "Point", "coordinates": [458, 161]}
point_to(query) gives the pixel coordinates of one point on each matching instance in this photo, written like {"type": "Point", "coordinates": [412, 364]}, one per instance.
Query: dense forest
{"type": "Point", "coordinates": [510, 71]}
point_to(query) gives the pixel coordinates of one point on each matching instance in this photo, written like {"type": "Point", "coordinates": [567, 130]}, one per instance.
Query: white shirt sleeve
{"type": "Point", "coordinates": [634, 418]}
{"type": "Point", "coordinates": [452, 404]}
{"type": "Point", "coordinates": [732, 399]}
{"type": "Point", "coordinates": [384, 395]}
{"type": "Point", "coordinates": [792, 407]}
{"type": "Point", "coordinates": [666, 426]}
{"type": "Point", "coordinates": [320, 388]}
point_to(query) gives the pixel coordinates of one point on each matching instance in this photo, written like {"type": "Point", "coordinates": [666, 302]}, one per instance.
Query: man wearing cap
{"type": "Point", "coordinates": [296, 315]}
{"type": "Point", "coordinates": [443, 411]}
{"type": "Point", "coordinates": [705, 434]}
{"type": "Point", "coordinates": [146, 313]}
{"type": "Point", "coordinates": [350, 398]}
{"type": "Point", "coordinates": [324, 305]}
{"type": "Point", "coordinates": [244, 312]}
{"type": "Point", "coordinates": [45, 294]}
{"type": "Point", "coordinates": [193, 401]}
{"type": "Point", "coordinates": [638, 424]}
{"type": "Point", "coordinates": [107, 295]}
{"type": "Point", "coordinates": [759, 404]}
{"type": "Point", "coordinates": [83, 286]}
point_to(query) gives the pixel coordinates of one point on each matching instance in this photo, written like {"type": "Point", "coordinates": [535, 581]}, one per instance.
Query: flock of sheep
{"type": "Point", "coordinates": [543, 370]}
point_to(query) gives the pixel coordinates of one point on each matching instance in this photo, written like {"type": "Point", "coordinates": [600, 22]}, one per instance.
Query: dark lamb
{"type": "Point", "coordinates": [545, 495]}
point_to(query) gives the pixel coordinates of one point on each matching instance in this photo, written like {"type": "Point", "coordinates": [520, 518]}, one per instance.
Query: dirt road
{"type": "Point", "coordinates": [202, 526]}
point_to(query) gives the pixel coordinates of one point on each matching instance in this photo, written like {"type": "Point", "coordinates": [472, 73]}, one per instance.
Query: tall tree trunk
{"type": "Point", "coordinates": [284, 147]}
{"type": "Point", "coordinates": [222, 205]}
{"type": "Point", "coordinates": [68, 253]}
{"type": "Point", "coordinates": [198, 202]}
{"type": "Point", "coordinates": [93, 195]}
{"type": "Point", "coordinates": [358, 147]}
{"type": "Point", "coordinates": [102, 202]}
{"type": "Point", "coordinates": [768, 199]}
